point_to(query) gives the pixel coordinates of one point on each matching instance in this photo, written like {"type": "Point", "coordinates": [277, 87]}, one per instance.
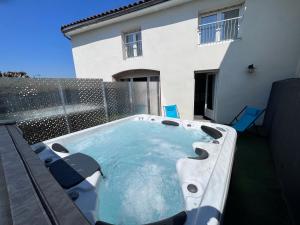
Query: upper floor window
{"type": "Point", "coordinates": [133, 44]}
{"type": "Point", "coordinates": [219, 26]}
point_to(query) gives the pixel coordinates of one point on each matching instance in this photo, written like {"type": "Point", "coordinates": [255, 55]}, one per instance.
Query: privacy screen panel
{"type": "Point", "coordinates": [118, 98]}
{"type": "Point", "coordinates": [83, 102]}
{"type": "Point", "coordinates": [48, 108]}
{"type": "Point", "coordinates": [36, 106]}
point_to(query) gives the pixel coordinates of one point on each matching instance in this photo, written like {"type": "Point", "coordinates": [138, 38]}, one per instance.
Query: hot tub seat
{"type": "Point", "coordinates": [170, 123]}
{"type": "Point", "coordinates": [59, 148]}
{"type": "Point", "coordinates": [73, 169]}
{"type": "Point", "coordinates": [214, 133]}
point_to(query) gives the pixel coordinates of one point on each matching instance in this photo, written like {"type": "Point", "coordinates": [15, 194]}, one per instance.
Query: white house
{"type": "Point", "coordinates": [212, 57]}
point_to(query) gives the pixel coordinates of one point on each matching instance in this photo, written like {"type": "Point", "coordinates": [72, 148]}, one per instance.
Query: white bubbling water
{"type": "Point", "coordinates": [139, 160]}
{"type": "Point", "coordinates": [143, 200]}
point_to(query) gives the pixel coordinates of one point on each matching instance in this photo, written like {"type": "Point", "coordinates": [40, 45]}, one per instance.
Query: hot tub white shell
{"type": "Point", "coordinates": [211, 176]}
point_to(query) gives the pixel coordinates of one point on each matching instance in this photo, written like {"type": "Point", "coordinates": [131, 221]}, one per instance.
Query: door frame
{"type": "Point", "coordinates": [211, 114]}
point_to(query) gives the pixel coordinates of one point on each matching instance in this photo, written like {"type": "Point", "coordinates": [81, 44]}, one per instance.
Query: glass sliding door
{"type": "Point", "coordinates": [204, 98]}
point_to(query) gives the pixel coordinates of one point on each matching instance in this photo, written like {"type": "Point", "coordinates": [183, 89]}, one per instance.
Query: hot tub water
{"type": "Point", "coordinates": [138, 159]}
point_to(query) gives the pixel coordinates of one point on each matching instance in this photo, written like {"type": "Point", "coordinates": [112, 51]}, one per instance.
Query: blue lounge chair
{"type": "Point", "coordinates": [246, 118]}
{"type": "Point", "coordinates": [171, 111]}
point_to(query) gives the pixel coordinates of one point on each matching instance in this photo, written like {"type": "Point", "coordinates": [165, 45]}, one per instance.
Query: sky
{"type": "Point", "coordinates": [30, 36]}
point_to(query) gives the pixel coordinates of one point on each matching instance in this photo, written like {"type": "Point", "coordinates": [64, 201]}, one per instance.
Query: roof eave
{"type": "Point", "coordinates": [125, 14]}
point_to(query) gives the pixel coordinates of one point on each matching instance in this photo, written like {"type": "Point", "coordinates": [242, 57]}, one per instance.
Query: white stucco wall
{"type": "Point", "coordinates": [269, 40]}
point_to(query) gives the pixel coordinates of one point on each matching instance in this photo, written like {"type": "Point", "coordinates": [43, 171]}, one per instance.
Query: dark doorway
{"type": "Point", "coordinates": [210, 91]}
{"type": "Point", "coordinates": [204, 95]}
{"type": "Point", "coordinates": [200, 92]}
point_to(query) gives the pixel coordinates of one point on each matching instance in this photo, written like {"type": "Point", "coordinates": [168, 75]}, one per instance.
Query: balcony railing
{"type": "Point", "coordinates": [222, 30]}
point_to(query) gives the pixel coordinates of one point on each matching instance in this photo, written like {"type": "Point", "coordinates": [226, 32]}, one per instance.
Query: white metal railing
{"type": "Point", "coordinates": [219, 31]}
{"type": "Point", "coordinates": [133, 49]}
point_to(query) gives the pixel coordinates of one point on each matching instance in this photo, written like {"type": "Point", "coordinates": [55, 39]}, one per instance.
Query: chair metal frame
{"type": "Point", "coordinates": [251, 124]}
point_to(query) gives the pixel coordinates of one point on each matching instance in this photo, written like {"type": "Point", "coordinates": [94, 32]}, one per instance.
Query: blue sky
{"type": "Point", "coordinates": [31, 40]}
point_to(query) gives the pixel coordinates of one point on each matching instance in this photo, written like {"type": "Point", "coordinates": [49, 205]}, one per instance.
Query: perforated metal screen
{"type": "Point", "coordinates": [36, 106]}
{"type": "Point", "coordinates": [48, 108]}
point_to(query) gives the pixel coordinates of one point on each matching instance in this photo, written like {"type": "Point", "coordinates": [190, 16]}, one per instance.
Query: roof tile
{"type": "Point", "coordinates": [110, 12]}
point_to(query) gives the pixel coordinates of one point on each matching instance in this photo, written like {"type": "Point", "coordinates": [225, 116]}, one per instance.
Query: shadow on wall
{"type": "Point", "coordinates": [274, 54]}
{"type": "Point", "coordinates": [266, 47]}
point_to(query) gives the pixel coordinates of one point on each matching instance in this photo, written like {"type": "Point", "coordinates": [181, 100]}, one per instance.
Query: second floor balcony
{"type": "Point", "coordinates": [219, 31]}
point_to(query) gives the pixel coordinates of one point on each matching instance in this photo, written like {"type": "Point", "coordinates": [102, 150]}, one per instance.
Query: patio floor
{"type": "Point", "coordinates": [255, 196]}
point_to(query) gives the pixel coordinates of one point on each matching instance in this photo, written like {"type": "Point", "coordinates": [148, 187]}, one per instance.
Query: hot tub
{"type": "Point", "coordinates": [153, 169]}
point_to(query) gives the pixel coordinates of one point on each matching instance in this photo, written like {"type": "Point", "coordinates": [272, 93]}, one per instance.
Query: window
{"type": "Point", "coordinates": [219, 26]}
{"type": "Point", "coordinates": [133, 44]}
{"type": "Point", "coordinates": [125, 80]}
{"type": "Point", "coordinates": [154, 78]}
{"type": "Point", "coordinates": [140, 79]}
{"type": "Point", "coordinates": [208, 28]}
